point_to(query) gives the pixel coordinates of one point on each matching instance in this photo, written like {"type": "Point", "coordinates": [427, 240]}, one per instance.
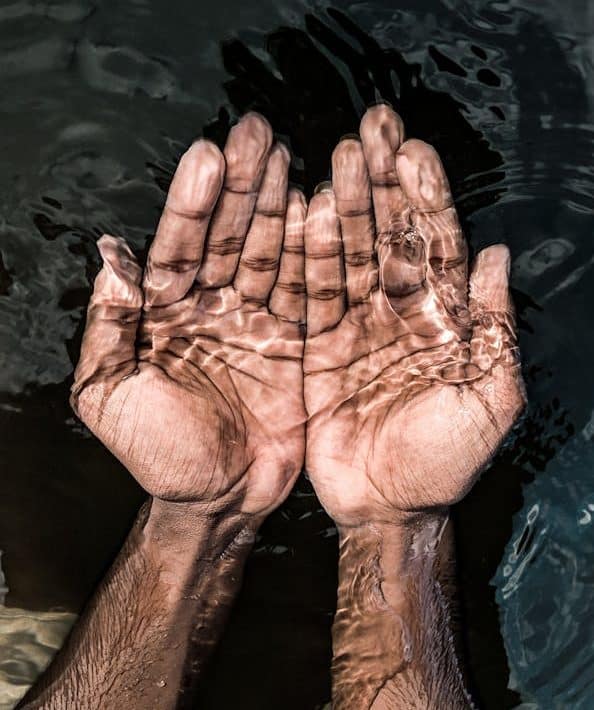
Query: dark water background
{"type": "Point", "coordinates": [99, 99]}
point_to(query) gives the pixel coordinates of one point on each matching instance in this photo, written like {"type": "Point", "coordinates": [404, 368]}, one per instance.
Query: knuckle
{"type": "Point", "coordinates": [325, 294]}
{"type": "Point", "coordinates": [260, 263]}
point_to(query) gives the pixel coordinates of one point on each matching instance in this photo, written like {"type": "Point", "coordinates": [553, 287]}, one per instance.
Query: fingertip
{"type": "Point", "coordinates": [496, 256]}
{"type": "Point", "coordinates": [198, 179]}
{"type": "Point", "coordinates": [296, 206]}
{"type": "Point", "coordinates": [382, 132]}
{"type": "Point", "coordinates": [350, 178]}
{"type": "Point", "coordinates": [276, 175]}
{"type": "Point", "coordinates": [202, 166]}
{"type": "Point", "coordinates": [322, 216]}
{"type": "Point", "coordinates": [322, 186]}
{"type": "Point", "coordinates": [348, 160]}
{"type": "Point", "coordinates": [204, 150]}
{"type": "Point", "coordinates": [323, 199]}
{"type": "Point", "coordinates": [246, 152]}
{"type": "Point", "coordinates": [280, 148]}
{"type": "Point", "coordinates": [422, 176]}
{"type": "Point", "coordinates": [108, 243]}
{"type": "Point", "coordinates": [256, 122]}
{"type": "Point", "coordinates": [279, 156]}
{"type": "Point", "coordinates": [296, 197]}
{"type": "Point", "coordinates": [346, 148]}
{"type": "Point", "coordinates": [115, 250]}
{"type": "Point", "coordinates": [493, 262]}
{"type": "Point", "coordinates": [118, 282]}
{"type": "Point", "coordinates": [255, 128]}
{"type": "Point", "coordinates": [272, 196]}
{"type": "Point", "coordinates": [382, 120]}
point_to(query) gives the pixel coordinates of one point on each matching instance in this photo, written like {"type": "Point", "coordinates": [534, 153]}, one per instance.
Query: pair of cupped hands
{"type": "Point", "coordinates": [266, 334]}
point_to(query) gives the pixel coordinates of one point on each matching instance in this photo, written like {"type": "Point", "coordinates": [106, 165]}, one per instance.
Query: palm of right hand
{"type": "Point", "coordinates": [412, 375]}
{"type": "Point", "coordinates": [394, 428]}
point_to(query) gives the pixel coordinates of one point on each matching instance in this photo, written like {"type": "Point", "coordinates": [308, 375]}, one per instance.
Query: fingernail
{"type": "Point", "coordinates": [325, 186]}
{"type": "Point", "coordinates": [350, 137]}
{"type": "Point", "coordinates": [380, 102]}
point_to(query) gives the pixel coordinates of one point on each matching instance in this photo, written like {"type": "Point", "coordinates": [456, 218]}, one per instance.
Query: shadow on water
{"type": "Point", "coordinates": [314, 84]}
{"type": "Point", "coordinates": [312, 104]}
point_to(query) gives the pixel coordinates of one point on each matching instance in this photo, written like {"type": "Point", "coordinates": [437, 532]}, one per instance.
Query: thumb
{"type": "Point", "coordinates": [489, 280]}
{"type": "Point", "coordinates": [108, 347]}
{"type": "Point", "coordinates": [493, 346]}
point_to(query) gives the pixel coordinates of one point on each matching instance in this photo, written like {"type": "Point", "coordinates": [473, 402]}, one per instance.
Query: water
{"type": "Point", "coordinates": [98, 101]}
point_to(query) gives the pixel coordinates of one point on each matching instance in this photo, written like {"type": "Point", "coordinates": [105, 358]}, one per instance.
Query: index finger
{"type": "Point", "coordinates": [176, 252]}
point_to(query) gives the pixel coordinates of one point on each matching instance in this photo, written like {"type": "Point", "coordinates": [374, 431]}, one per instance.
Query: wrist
{"type": "Point", "coordinates": [390, 558]}
{"type": "Point", "coordinates": [392, 617]}
{"type": "Point", "coordinates": [183, 537]}
{"type": "Point", "coordinates": [411, 540]}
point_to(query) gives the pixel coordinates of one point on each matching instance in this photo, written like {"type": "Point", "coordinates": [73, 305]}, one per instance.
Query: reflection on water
{"type": "Point", "coordinates": [99, 100]}
{"type": "Point", "coordinates": [28, 640]}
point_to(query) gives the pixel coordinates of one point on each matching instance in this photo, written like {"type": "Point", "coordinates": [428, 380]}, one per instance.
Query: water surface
{"type": "Point", "coordinates": [98, 100]}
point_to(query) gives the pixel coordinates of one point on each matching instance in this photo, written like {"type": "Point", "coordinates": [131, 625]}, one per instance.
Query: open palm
{"type": "Point", "coordinates": [193, 378]}
{"type": "Point", "coordinates": [411, 373]}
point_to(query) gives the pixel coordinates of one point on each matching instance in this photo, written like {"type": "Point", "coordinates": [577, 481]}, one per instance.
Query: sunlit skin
{"type": "Point", "coordinates": [199, 391]}
{"type": "Point", "coordinates": [263, 334]}
{"type": "Point", "coordinates": [191, 374]}
{"type": "Point", "coordinates": [411, 369]}
{"type": "Point", "coordinates": [411, 382]}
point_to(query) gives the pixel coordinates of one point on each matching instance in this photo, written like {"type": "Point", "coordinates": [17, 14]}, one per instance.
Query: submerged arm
{"type": "Point", "coordinates": [393, 643]}
{"type": "Point", "coordinates": [147, 632]}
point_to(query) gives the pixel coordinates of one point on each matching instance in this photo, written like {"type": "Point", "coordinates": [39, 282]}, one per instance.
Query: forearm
{"type": "Point", "coordinates": [155, 617]}
{"type": "Point", "coordinates": [392, 638]}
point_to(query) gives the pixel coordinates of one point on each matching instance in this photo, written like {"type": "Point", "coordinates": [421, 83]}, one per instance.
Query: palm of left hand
{"type": "Point", "coordinates": [200, 394]}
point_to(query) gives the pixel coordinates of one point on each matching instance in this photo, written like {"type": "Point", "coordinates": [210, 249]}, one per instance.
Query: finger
{"type": "Point", "coordinates": [433, 215]}
{"type": "Point", "coordinates": [258, 265]}
{"type": "Point", "coordinates": [108, 345]}
{"type": "Point", "coordinates": [246, 154]}
{"type": "Point", "coordinates": [491, 307]}
{"type": "Point", "coordinates": [176, 251]}
{"type": "Point", "coordinates": [288, 295]}
{"type": "Point", "coordinates": [493, 346]}
{"type": "Point", "coordinates": [382, 132]}
{"type": "Point", "coordinates": [350, 181]}
{"type": "Point", "coordinates": [324, 268]}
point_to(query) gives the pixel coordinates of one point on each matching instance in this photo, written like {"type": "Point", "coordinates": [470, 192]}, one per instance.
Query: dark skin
{"type": "Point", "coordinates": [197, 377]}
{"type": "Point", "coordinates": [191, 375]}
{"type": "Point", "coordinates": [412, 381]}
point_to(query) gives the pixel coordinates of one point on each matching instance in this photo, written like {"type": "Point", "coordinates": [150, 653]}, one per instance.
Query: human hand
{"type": "Point", "coordinates": [193, 378]}
{"type": "Point", "coordinates": [412, 376]}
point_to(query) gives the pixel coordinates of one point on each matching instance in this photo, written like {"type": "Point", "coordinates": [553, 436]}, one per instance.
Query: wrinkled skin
{"type": "Point", "coordinates": [192, 375]}
{"type": "Point", "coordinates": [197, 378]}
{"type": "Point", "coordinates": [411, 369]}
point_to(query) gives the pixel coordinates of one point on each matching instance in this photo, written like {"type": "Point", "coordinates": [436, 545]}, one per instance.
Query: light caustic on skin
{"type": "Point", "coordinates": [200, 378]}
{"type": "Point", "coordinates": [212, 386]}
{"type": "Point", "coordinates": [412, 380]}
{"type": "Point", "coordinates": [407, 363]}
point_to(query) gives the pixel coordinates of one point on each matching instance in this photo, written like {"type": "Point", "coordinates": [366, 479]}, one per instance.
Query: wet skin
{"type": "Point", "coordinates": [191, 374]}
{"type": "Point", "coordinates": [411, 370]}
{"type": "Point", "coordinates": [411, 381]}
{"type": "Point", "coordinates": [195, 374]}
{"type": "Point", "coordinates": [193, 379]}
